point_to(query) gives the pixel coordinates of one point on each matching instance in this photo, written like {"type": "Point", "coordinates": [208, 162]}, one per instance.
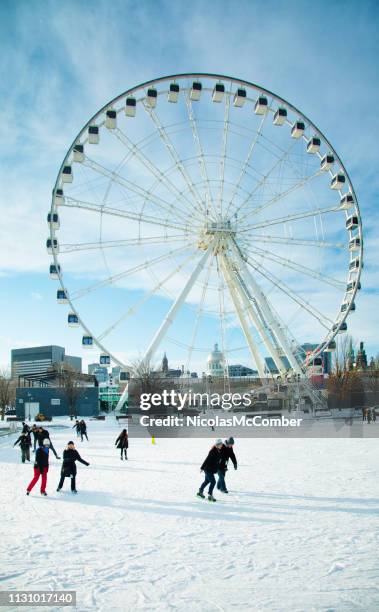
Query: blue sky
{"type": "Point", "coordinates": [62, 61]}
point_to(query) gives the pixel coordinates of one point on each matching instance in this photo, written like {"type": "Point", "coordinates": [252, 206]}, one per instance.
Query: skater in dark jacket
{"type": "Point", "coordinates": [41, 467]}
{"type": "Point", "coordinates": [25, 428]}
{"type": "Point", "coordinates": [122, 443]}
{"type": "Point", "coordinates": [226, 454]}
{"type": "Point", "coordinates": [83, 430]}
{"type": "Point", "coordinates": [43, 434]}
{"type": "Point", "coordinates": [70, 455]}
{"type": "Point", "coordinates": [210, 468]}
{"type": "Point", "coordinates": [77, 427]}
{"type": "Point", "coordinates": [25, 443]}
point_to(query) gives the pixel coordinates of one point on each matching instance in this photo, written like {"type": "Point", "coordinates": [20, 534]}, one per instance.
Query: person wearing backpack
{"type": "Point", "coordinates": [25, 443]}
{"type": "Point", "coordinates": [41, 467]}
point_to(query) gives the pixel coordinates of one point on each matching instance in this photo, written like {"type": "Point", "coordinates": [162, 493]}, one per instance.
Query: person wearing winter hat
{"type": "Point", "coordinates": [210, 467]}
{"type": "Point", "coordinates": [41, 467]}
{"type": "Point", "coordinates": [226, 454]}
{"type": "Point", "coordinates": [70, 455]}
{"type": "Point", "coordinates": [25, 443]}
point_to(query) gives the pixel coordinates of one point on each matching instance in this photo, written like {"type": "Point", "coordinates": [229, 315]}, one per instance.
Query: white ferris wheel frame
{"type": "Point", "coordinates": [242, 286]}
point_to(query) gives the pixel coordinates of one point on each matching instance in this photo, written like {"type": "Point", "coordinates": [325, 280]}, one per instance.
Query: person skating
{"type": "Point", "coordinates": [25, 443]}
{"type": "Point", "coordinates": [70, 455]}
{"type": "Point", "coordinates": [227, 453]}
{"type": "Point", "coordinates": [25, 427]}
{"type": "Point", "coordinates": [373, 415]}
{"type": "Point", "coordinates": [77, 427]}
{"type": "Point", "coordinates": [42, 435]}
{"type": "Point", "coordinates": [41, 467]}
{"type": "Point", "coordinates": [210, 468]}
{"type": "Point", "coordinates": [34, 432]}
{"type": "Point", "coordinates": [369, 416]}
{"type": "Point", "coordinates": [122, 443]}
{"type": "Point", "coordinates": [83, 430]}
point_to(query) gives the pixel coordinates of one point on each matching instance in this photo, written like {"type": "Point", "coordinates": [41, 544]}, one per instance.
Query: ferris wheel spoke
{"type": "Point", "coordinates": [266, 176]}
{"type": "Point", "coordinates": [247, 161]}
{"type": "Point", "coordinates": [153, 169]}
{"type": "Point", "coordinates": [221, 300]}
{"type": "Point", "coordinates": [168, 320]}
{"type": "Point", "coordinates": [200, 153]}
{"type": "Point", "coordinates": [245, 327]}
{"type": "Point", "coordinates": [266, 309]}
{"type": "Point", "coordinates": [108, 244]}
{"type": "Point", "coordinates": [133, 187]}
{"type": "Point", "coordinates": [225, 133]}
{"type": "Point", "coordinates": [199, 206]}
{"type": "Point", "coordinates": [133, 309]}
{"type": "Point", "coordinates": [281, 195]}
{"type": "Point", "coordinates": [199, 314]}
{"type": "Point", "coordinates": [132, 216]}
{"type": "Point", "coordinates": [293, 217]}
{"type": "Point", "coordinates": [129, 272]}
{"type": "Point", "coordinates": [280, 284]}
{"type": "Point", "coordinates": [294, 241]}
{"type": "Point", "coordinates": [289, 263]}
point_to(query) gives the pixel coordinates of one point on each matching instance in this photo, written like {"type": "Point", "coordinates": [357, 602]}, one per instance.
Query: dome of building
{"type": "Point", "coordinates": [215, 362]}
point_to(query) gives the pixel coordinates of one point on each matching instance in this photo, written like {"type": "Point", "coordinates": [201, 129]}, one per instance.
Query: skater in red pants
{"type": "Point", "coordinates": [41, 467]}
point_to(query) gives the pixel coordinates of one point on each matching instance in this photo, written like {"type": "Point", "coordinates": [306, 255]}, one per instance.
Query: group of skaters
{"type": "Point", "coordinates": [81, 429]}
{"type": "Point", "coordinates": [25, 442]}
{"type": "Point", "coordinates": [42, 445]}
{"type": "Point", "coordinates": [369, 415]}
{"type": "Point", "coordinates": [217, 463]}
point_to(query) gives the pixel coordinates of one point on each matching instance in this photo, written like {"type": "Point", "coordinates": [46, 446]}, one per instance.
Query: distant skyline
{"type": "Point", "coordinates": [63, 61]}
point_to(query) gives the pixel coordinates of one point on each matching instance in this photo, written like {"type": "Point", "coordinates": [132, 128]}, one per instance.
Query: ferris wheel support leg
{"type": "Point", "coordinates": [169, 318]}
{"type": "Point", "coordinates": [123, 397]}
{"type": "Point", "coordinates": [264, 305]}
{"type": "Point", "coordinates": [271, 348]}
{"type": "Point", "coordinates": [253, 349]}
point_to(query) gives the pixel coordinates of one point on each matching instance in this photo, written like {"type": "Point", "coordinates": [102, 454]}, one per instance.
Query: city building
{"type": "Point", "coordinates": [241, 370]}
{"type": "Point", "coordinates": [38, 359]}
{"type": "Point", "coordinates": [216, 363]}
{"type": "Point", "coordinates": [168, 372]}
{"type": "Point", "coordinates": [99, 371]}
{"type": "Point", "coordinates": [109, 394]}
{"type": "Point", "coordinates": [53, 402]}
{"type": "Point", "coordinates": [361, 360]}
{"type": "Point", "coordinates": [116, 371]}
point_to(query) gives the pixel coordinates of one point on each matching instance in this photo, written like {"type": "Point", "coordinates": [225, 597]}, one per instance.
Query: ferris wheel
{"type": "Point", "coordinates": [201, 207]}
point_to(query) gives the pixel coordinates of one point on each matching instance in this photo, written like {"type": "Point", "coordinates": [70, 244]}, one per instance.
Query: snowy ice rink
{"type": "Point", "coordinates": [297, 532]}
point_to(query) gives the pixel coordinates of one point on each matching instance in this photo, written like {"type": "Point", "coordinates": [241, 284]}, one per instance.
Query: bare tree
{"type": "Point", "coordinates": [70, 381]}
{"type": "Point", "coordinates": [147, 379]}
{"type": "Point", "coordinates": [345, 386]}
{"type": "Point", "coordinates": [7, 392]}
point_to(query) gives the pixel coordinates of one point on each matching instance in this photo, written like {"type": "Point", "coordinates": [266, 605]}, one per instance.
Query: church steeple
{"type": "Point", "coordinates": [165, 363]}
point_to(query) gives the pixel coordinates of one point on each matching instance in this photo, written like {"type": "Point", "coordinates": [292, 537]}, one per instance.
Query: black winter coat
{"type": "Point", "coordinates": [42, 458]}
{"type": "Point", "coordinates": [24, 441]}
{"type": "Point", "coordinates": [42, 435]}
{"type": "Point", "coordinates": [82, 427]}
{"type": "Point", "coordinates": [212, 462]}
{"type": "Point", "coordinates": [122, 441]}
{"type": "Point", "coordinates": [226, 454]}
{"type": "Point", "coordinates": [70, 455]}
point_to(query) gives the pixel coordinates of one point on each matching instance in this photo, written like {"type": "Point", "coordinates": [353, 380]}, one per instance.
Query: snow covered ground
{"type": "Point", "coordinates": [298, 531]}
